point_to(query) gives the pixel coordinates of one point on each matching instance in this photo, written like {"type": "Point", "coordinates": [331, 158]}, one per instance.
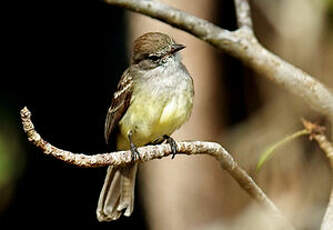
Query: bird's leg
{"type": "Point", "coordinates": [133, 148]}
{"type": "Point", "coordinates": [172, 144]}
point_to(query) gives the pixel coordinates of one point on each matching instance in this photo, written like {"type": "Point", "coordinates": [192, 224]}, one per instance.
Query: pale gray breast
{"type": "Point", "coordinates": [167, 80]}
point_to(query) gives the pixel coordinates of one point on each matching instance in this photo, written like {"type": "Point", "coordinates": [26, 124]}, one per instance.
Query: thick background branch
{"type": "Point", "coordinates": [243, 45]}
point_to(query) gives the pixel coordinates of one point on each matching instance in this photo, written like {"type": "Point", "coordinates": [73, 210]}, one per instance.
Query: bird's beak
{"type": "Point", "coordinates": [176, 47]}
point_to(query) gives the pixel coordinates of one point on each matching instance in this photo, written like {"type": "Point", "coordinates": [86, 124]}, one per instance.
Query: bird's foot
{"type": "Point", "coordinates": [172, 144]}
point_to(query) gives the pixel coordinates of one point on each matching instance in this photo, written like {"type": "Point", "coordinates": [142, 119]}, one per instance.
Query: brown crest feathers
{"type": "Point", "coordinates": [151, 43]}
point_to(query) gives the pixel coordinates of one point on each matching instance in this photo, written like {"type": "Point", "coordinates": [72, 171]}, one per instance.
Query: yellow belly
{"type": "Point", "coordinates": [150, 119]}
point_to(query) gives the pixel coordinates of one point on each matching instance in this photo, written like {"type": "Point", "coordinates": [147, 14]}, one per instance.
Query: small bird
{"type": "Point", "coordinates": [154, 98]}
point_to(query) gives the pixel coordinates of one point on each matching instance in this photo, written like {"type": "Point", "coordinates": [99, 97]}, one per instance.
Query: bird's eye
{"type": "Point", "coordinates": [153, 58]}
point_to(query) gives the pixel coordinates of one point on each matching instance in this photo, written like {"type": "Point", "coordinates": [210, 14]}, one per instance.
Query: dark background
{"type": "Point", "coordinates": [64, 59]}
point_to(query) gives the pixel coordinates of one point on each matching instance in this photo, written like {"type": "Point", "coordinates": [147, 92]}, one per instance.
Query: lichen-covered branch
{"type": "Point", "coordinates": [317, 134]}
{"type": "Point", "coordinates": [243, 13]}
{"type": "Point", "coordinates": [147, 153]}
{"type": "Point", "coordinates": [241, 44]}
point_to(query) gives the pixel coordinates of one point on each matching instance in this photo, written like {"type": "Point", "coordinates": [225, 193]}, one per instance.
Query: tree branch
{"type": "Point", "coordinates": [199, 27]}
{"type": "Point", "coordinates": [241, 44]}
{"type": "Point", "coordinates": [317, 134]}
{"type": "Point", "coordinates": [121, 158]}
{"type": "Point", "coordinates": [243, 14]}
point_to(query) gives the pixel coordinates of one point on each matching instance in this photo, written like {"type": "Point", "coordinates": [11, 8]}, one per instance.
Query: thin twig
{"type": "Point", "coordinates": [241, 44]}
{"type": "Point", "coordinates": [243, 14]}
{"type": "Point", "coordinates": [317, 134]}
{"type": "Point", "coordinates": [121, 158]}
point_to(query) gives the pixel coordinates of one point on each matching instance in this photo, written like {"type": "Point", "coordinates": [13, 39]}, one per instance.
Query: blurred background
{"type": "Point", "coordinates": [63, 61]}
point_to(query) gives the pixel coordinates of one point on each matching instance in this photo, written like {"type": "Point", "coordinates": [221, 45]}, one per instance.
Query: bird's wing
{"type": "Point", "coordinates": [120, 103]}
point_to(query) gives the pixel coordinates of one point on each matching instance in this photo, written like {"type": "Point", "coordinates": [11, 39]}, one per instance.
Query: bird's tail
{"type": "Point", "coordinates": [117, 195]}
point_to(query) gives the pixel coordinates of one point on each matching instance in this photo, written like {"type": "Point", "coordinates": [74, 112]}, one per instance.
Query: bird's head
{"type": "Point", "coordinates": [153, 49]}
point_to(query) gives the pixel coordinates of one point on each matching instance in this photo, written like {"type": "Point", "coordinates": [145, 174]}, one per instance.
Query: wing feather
{"type": "Point", "coordinates": [119, 105]}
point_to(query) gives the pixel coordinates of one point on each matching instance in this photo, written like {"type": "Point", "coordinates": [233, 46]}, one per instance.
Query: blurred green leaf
{"type": "Point", "coordinates": [12, 156]}
{"type": "Point", "coordinates": [268, 154]}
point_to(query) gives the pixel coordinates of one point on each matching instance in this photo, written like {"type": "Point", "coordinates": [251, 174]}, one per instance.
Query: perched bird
{"type": "Point", "coordinates": [154, 98]}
